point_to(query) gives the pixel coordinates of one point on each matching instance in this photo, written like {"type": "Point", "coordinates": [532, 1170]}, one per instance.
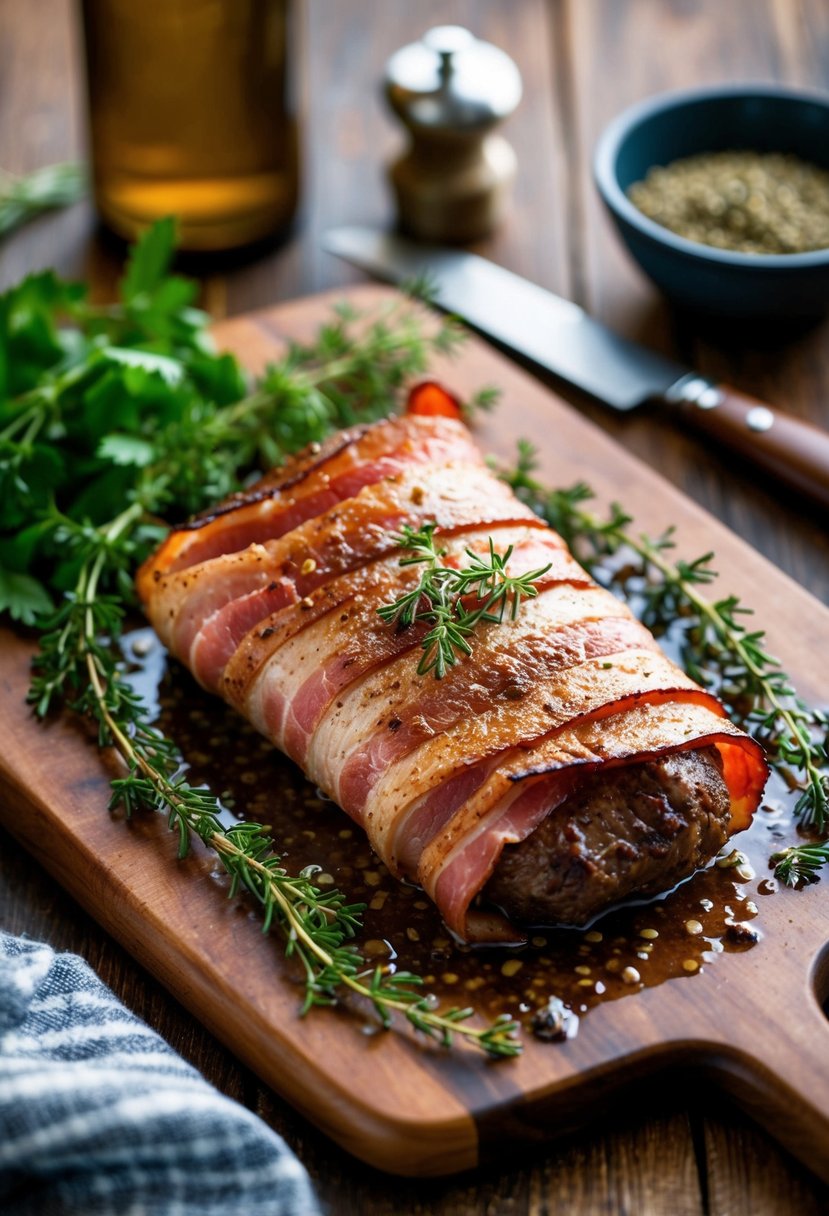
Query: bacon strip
{"type": "Point", "coordinates": [354, 642]}
{"type": "Point", "coordinates": [594, 688]}
{"type": "Point", "coordinates": [203, 612]}
{"type": "Point", "coordinates": [271, 599]}
{"type": "Point", "coordinates": [308, 486]}
{"type": "Point", "coordinates": [458, 860]}
{"type": "Point", "coordinates": [353, 634]}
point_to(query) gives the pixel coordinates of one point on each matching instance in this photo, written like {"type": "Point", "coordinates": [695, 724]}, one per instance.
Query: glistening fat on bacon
{"type": "Point", "coordinates": [562, 765]}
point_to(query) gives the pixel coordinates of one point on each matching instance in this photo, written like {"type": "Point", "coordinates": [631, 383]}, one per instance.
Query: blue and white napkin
{"type": "Point", "coordinates": [99, 1115]}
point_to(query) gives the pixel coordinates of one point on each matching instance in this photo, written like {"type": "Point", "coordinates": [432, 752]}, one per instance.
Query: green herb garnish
{"type": "Point", "coordinates": [441, 592]}
{"type": "Point", "coordinates": [129, 403]}
{"type": "Point", "coordinates": [800, 863]}
{"type": "Point", "coordinates": [317, 926]}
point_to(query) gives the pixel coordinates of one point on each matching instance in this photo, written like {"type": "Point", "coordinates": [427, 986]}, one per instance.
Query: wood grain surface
{"type": "Point", "coordinates": [398, 1106]}
{"type": "Point", "coordinates": [582, 60]}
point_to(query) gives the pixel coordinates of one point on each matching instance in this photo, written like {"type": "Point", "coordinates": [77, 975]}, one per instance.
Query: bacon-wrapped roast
{"type": "Point", "coordinates": [562, 766]}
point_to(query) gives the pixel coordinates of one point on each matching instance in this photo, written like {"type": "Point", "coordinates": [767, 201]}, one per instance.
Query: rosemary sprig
{"type": "Point", "coordinates": [799, 864]}
{"type": "Point", "coordinates": [24, 197]}
{"type": "Point", "coordinates": [317, 926]}
{"type": "Point", "coordinates": [716, 647]}
{"type": "Point", "coordinates": [441, 591]}
{"type": "Point", "coordinates": [128, 405]}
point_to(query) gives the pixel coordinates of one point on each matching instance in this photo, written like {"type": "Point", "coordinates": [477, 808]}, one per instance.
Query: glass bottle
{"type": "Point", "coordinates": [191, 115]}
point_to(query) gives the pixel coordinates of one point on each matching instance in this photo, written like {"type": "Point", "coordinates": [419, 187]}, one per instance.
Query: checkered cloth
{"type": "Point", "coordinates": [99, 1115]}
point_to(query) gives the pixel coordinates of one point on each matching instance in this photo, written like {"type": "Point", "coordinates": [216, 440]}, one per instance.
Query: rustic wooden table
{"type": "Point", "coordinates": [664, 1154]}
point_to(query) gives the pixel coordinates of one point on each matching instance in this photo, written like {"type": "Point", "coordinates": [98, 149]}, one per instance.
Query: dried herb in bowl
{"type": "Point", "coordinates": [749, 202]}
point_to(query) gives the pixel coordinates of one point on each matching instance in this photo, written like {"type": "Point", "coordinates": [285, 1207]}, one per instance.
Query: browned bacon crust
{"type": "Point", "coordinates": [271, 599]}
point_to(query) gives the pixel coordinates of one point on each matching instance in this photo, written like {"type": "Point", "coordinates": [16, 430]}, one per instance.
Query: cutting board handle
{"type": "Point", "coordinates": [777, 1067]}
{"type": "Point", "coordinates": [791, 450]}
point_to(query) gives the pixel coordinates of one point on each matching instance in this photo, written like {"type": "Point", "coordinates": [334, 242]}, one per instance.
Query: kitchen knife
{"type": "Point", "coordinates": [559, 336]}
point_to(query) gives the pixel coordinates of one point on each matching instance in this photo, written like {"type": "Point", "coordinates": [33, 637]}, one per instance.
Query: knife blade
{"type": "Point", "coordinates": [562, 338]}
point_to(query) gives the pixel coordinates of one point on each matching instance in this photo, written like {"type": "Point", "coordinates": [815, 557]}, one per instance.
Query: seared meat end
{"type": "Point", "coordinates": [630, 830]}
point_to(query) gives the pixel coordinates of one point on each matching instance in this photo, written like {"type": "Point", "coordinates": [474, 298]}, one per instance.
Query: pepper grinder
{"type": "Point", "coordinates": [451, 90]}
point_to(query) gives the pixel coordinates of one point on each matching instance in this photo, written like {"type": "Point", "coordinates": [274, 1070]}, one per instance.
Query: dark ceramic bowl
{"type": "Point", "coordinates": [717, 282]}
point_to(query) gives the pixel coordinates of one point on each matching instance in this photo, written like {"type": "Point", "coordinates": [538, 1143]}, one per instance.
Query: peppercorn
{"type": "Point", "coordinates": [750, 202]}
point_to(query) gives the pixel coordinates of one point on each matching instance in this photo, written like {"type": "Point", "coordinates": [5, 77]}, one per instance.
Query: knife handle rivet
{"type": "Point", "coordinates": [696, 390]}
{"type": "Point", "coordinates": [759, 418]}
{"type": "Point", "coordinates": [709, 399]}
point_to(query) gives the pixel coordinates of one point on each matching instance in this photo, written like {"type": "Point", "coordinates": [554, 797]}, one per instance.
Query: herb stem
{"type": "Point", "coordinates": [34, 414]}
{"type": "Point", "coordinates": [22, 197]}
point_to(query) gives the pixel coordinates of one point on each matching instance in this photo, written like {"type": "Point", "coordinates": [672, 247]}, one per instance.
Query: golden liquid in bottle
{"type": "Point", "coordinates": [190, 116]}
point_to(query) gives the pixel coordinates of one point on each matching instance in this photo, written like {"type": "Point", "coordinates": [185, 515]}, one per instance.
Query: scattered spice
{"type": "Point", "coordinates": [741, 934]}
{"type": "Point", "coordinates": [750, 202]}
{"type": "Point", "coordinates": [554, 1022]}
{"type": "Point", "coordinates": [375, 948]}
{"type": "Point", "coordinates": [728, 861]}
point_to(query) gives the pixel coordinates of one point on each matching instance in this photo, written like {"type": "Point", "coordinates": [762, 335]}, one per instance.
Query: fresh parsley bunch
{"type": "Point", "coordinates": [102, 407]}
{"type": "Point", "coordinates": [94, 403]}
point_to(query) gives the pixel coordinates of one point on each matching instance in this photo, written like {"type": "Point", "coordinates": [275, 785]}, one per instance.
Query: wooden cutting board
{"type": "Point", "coordinates": [753, 1020]}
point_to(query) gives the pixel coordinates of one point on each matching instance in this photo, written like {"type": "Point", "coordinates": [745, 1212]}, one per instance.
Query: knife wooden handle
{"type": "Point", "coordinates": [795, 452]}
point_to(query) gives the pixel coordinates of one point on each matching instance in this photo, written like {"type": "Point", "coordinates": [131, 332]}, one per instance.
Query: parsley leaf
{"type": "Point", "coordinates": [149, 260]}
{"type": "Point", "coordinates": [23, 597]}
{"type": "Point", "coordinates": [126, 450]}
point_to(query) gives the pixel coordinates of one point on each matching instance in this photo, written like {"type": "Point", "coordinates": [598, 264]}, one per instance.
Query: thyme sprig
{"type": "Point", "coordinates": [442, 593]}
{"type": "Point", "coordinates": [716, 647]}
